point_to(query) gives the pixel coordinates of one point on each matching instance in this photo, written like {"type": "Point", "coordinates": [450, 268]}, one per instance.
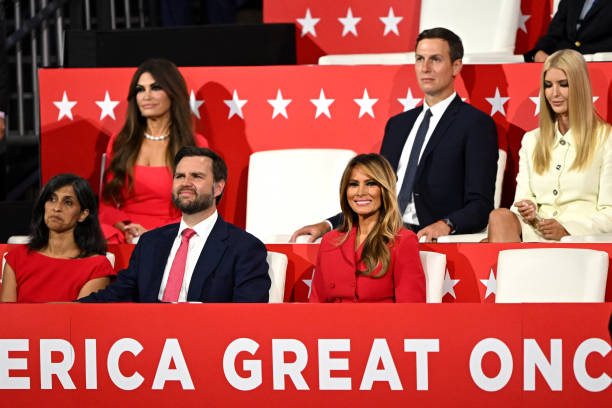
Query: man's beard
{"type": "Point", "coordinates": [199, 203]}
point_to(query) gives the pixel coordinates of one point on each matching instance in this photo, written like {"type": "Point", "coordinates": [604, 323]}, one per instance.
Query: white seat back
{"type": "Point", "coordinates": [3, 263]}
{"type": "Point", "coordinates": [434, 266]}
{"type": "Point", "coordinates": [551, 275]}
{"type": "Point", "coordinates": [111, 258]}
{"type": "Point", "coordinates": [288, 189]}
{"type": "Point", "coordinates": [499, 177]}
{"type": "Point", "coordinates": [484, 26]}
{"type": "Point", "coordinates": [18, 239]}
{"type": "Point", "coordinates": [277, 269]}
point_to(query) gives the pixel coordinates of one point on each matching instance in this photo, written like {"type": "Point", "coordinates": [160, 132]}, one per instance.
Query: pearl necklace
{"type": "Point", "coordinates": [162, 137]}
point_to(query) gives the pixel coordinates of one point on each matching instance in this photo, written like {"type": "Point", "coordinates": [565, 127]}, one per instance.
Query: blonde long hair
{"type": "Point", "coordinates": [584, 121]}
{"type": "Point", "coordinates": [376, 246]}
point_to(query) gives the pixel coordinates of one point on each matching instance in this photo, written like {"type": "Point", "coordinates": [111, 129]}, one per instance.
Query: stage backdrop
{"type": "Point", "coordinates": [364, 26]}
{"type": "Point", "coordinates": [242, 110]}
{"type": "Point", "coordinates": [349, 355]}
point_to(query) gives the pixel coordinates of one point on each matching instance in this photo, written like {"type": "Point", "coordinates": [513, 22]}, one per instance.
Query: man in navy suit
{"type": "Point", "coordinates": [452, 176]}
{"type": "Point", "coordinates": [220, 262]}
{"type": "Point", "coordinates": [581, 25]}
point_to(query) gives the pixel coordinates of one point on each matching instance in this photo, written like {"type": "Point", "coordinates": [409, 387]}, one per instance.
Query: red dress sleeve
{"type": "Point", "coordinates": [102, 269]}
{"type": "Point", "coordinates": [408, 274]}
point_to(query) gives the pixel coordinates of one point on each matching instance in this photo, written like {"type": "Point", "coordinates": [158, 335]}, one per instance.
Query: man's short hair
{"type": "Point", "coordinates": [453, 40]}
{"type": "Point", "coordinates": [219, 167]}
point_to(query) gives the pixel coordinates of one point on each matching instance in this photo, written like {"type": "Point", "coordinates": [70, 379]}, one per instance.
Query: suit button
{"type": "Point", "coordinates": [555, 192]}
{"type": "Point", "coordinates": [577, 44]}
{"type": "Point", "coordinates": [555, 213]}
{"type": "Point", "coordinates": [558, 167]}
{"type": "Point", "coordinates": [562, 142]}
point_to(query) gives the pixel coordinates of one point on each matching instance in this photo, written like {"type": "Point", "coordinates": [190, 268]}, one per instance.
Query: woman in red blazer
{"type": "Point", "coordinates": [370, 257]}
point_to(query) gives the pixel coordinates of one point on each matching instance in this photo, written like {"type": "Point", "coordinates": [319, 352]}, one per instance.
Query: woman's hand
{"type": "Point", "coordinates": [132, 231]}
{"type": "Point", "coordinates": [551, 229]}
{"type": "Point", "coordinates": [527, 209]}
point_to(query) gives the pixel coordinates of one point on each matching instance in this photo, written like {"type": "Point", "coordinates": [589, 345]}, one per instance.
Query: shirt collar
{"type": "Point", "coordinates": [439, 108]}
{"type": "Point", "coordinates": [202, 228]}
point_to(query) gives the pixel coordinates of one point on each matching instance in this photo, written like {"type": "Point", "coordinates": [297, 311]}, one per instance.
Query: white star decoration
{"type": "Point", "coordinates": [235, 104]}
{"type": "Point", "coordinates": [308, 24]}
{"type": "Point", "coordinates": [322, 105]}
{"type": "Point", "coordinates": [409, 102]}
{"type": "Point", "coordinates": [522, 20]}
{"type": "Point", "coordinates": [491, 284]}
{"type": "Point", "coordinates": [280, 105]}
{"type": "Point", "coordinates": [536, 100]}
{"type": "Point", "coordinates": [448, 285]}
{"type": "Point", "coordinates": [497, 103]}
{"type": "Point", "coordinates": [391, 22]}
{"type": "Point", "coordinates": [107, 107]}
{"type": "Point", "coordinates": [195, 104]}
{"type": "Point", "coordinates": [365, 104]}
{"type": "Point", "coordinates": [65, 107]}
{"type": "Point", "coordinates": [349, 23]}
{"type": "Point", "coordinates": [308, 282]}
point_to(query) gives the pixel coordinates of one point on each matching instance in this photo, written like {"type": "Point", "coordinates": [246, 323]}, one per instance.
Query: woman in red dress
{"type": "Point", "coordinates": [370, 257]}
{"type": "Point", "coordinates": [65, 258]}
{"type": "Point", "coordinates": [136, 194]}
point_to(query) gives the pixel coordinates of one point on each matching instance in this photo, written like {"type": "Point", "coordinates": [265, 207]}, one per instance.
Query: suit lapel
{"type": "Point", "coordinates": [211, 255]}
{"type": "Point", "coordinates": [395, 153]}
{"type": "Point", "coordinates": [161, 253]}
{"type": "Point", "coordinates": [593, 10]}
{"type": "Point", "coordinates": [440, 132]}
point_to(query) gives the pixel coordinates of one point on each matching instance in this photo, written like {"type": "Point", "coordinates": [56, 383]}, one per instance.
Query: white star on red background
{"type": "Point", "coordinates": [195, 104]}
{"type": "Point", "coordinates": [448, 285]}
{"type": "Point", "coordinates": [322, 105]}
{"type": "Point", "coordinates": [308, 24]}
{"type": "Point", "coordinates": [349, 23]}
{"type": "Point", "coordinates": [490, 284]}
{"type": "Point", "coordinates": [65, 107]}
{"type": "Point", "coordinates": [391, 22]}
{"type": "Point", "coordinates": [522, 20]}
{"type": "Point", "coordinates": [280, 105]}
{"type": "Point", "coordinates": [497, 103]}
{"type": "Point", "coordinates": [409, 102]}
{"type": "Point", "coordinates": [107, 107]}
{"type": "Point", "coordinates": [235, 104]}
{"type": "Point", "coordinates": [365, 104]}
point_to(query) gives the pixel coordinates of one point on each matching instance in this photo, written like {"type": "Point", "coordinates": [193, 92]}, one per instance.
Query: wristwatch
{"type": "Point", "coordinates": [450, 224]}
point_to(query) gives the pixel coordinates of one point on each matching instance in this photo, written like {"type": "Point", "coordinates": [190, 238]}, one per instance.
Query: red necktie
{"type": "Point", "coordinates": [177, 270]}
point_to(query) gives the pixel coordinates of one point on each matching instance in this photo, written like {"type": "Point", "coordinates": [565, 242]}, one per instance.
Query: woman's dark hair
{"type": "Point", "coordinates": [127, 143]}
{"type": "Point", "coordinates": [87, 234]}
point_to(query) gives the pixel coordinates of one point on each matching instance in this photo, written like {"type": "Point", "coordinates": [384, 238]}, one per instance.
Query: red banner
{"type": "Point", "coordinates": [68, 355]}
{"type": "Point", "coordinates": [365, 26]}
{"type": "Point", "coordinates": [242, 110]}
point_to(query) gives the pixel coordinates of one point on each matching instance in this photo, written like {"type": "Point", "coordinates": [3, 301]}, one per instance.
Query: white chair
{"type": "Point", "coordinates": [588, 238]}
{"type": "Point", "coordinates": [288, 189]}
{"type": "Point", "coordinates": [18, 239]}
{"type": "Point", "coordinates": [434, 266]}
{"type": "Point", "coordinates": [111, 258]}
{"type": "Point", "coordinates": [487, 30]}
{"type": "Point", "coordinates": [277, 269]}
{"type": "Point", "coordinates": [3, 263]}
{"type": "Point", "coordinates": [551, 275]}
{"type": "Point", "coordinates": [499, 181]}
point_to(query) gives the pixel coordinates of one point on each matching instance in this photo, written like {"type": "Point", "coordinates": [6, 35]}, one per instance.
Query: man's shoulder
{"type": "Point", "coordinates": [159, 233]}
{"type": "Point", "coordinates": [465, 110]}
{"type": "Point", "coordinates": [238, 236]}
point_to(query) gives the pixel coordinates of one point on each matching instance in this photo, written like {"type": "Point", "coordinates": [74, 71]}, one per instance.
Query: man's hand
{"type": "Point", "coordinates": [540, 56]}
{"type": "Point", "coordinates": [315, 231]}
{"type": "Point", "coordinates": [132, 231]}
{"type": "Point", "coordinates": [433, 231]}
{"type": "Point", "coordinates": [527, 209]}
{"type": "Point", "coordinates": [551, 229]}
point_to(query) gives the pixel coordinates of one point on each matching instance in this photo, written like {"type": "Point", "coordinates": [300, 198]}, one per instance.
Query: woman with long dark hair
{"type": "Point", "coordinates": [136, 194]}
{"type": "Point", "coordinates": [370, 257]}
{"type": "Point", "coordinates": [564, 183]}
{"type": "Point", "coordinates": [65, 258]}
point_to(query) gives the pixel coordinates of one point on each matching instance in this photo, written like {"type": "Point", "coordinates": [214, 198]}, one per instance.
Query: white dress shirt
{"type": "Point", "coordinates": [410, 215]}
{"type": "Point", "coordinates": [196, 244]}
